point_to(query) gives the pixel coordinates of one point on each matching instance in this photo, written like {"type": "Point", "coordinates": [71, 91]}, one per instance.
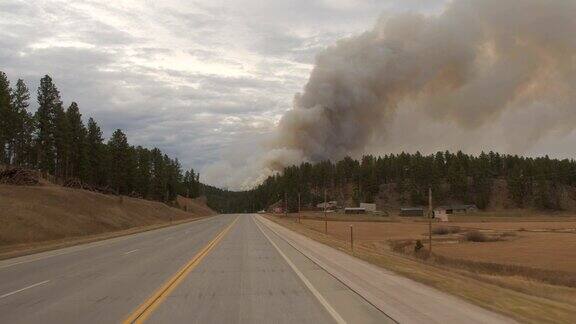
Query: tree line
{"type": "Point", "coordinates": [55, 140]}
{"type": "Point", "coordinates": [453, 177]}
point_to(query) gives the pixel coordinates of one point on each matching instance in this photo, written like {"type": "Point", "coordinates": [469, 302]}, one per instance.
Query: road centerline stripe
{"type": "Point", "coordinates": [145, 309]}
{"type": "Point", "coordinates": [25, 288]}
{"type": "Point", "coordinates": [135, 250]}
{"type": "Point", "coordinates": [303, 278]}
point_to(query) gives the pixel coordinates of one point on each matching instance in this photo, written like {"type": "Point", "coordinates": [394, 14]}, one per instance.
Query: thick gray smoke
{"type": "Point", "coordinates": [479, 62]}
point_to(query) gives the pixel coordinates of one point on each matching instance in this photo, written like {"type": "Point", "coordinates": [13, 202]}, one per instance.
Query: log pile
{"type": "Point", "coordinates": [78, 184]}
{"type": "Point", "coordinates": [19, 176]}
{"type": "Point", "coordinates": [74, 183]}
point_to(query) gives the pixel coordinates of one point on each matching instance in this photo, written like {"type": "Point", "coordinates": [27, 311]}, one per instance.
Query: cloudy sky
{"type": "Point", "coordinates": [202, 80]}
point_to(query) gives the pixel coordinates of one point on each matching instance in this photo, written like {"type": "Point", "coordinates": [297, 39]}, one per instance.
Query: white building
{"type": "Point", "coordinates": [368, 207]}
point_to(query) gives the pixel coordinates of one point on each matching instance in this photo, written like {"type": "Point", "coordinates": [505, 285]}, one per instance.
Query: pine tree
{"type": "Point", "coordinates": [191, 183]}
{"type": "Point", "coordinates": [62, 142]}
{"type": "Point", "coordinates": [7, 120]}
{"type": "Point", "coordinates": [48, 102]}
{"type": "Point", "coordinates": [23, 154]}
{"type": "Point", "coordinates": [118, 150]}
{"type": "Point", "coordinates": [158, 175]}
{"type": "Point", "coordinates": [95, 155]}
{"type": "Point", "coordinates": [78, 164]}
{"type": "Point", "coordinates": [143, 181]}
{"type": "Point", "coordinates": [174, 181]}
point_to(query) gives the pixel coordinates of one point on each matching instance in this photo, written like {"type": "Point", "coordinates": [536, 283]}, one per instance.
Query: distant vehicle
{"type": "Point", "coordinates": [261, 212]}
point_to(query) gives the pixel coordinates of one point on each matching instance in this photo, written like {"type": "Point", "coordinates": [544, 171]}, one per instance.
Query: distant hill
{"type": "Point", "coordinates": [491, 181]}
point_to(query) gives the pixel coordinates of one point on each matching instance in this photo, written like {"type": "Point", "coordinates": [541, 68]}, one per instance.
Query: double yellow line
{"type": "Point", "coordinates": [143, 311]}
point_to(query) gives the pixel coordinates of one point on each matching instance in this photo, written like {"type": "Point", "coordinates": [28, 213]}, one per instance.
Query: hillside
{"type": "Point", "coordinates": [499, 198]}
{"type": "Point", "coordinates": [491, 181]}
{"type": "Point", "coordinates": [32, 214]}
{"type": "Point", "coordinates": [196, 206]}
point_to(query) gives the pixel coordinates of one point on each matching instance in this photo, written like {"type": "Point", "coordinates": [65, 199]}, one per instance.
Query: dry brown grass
{"type": "Point", "coordinates": [546, 251]}
{"type": "Point", "coordinates": [29, 215]}
{"type": "Point", "coordinates": [546, 244]}
{"type": "Point", "coordinates": [196, 206]}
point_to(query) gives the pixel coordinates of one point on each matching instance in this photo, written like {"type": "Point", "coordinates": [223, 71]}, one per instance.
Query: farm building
{"type": "Point", "coordinates": [331, 205]}
{"type": "Point", "coordinates": [277, 207]}
{"type": "Point", "coordinates": [454, 209]}
{"type": "Point", "coordinates": [368, 207]}
{"type": "Point", "coordinates": [412, 211]}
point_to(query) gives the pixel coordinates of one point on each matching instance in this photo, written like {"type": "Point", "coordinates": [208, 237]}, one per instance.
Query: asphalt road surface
{"type": "Point", "coordinates": [223, 269]}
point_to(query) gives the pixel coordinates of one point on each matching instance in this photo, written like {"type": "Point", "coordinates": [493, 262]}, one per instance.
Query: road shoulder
{"type": "Point", "coordinates": [345, 305]}
{"type": "Point", "coordinates": [403, 299]}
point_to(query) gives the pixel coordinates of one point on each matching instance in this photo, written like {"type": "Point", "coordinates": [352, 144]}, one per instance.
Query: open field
{"type": "Point", "coordinates": [544, 242]}
{"type": "Point", "coordinates": [36, 216]}
{"type": "Point", "coordinates": [538, 250]}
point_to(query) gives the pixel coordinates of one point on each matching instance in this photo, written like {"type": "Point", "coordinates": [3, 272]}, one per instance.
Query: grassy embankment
{"type": "Point", "coordinates": [38, 218]}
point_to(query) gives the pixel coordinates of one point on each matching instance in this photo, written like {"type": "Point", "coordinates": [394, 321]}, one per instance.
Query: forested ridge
{"type": "Point", "coordinates": [56, 141]}
{"type": "Point", "coordinates": [454, 177]}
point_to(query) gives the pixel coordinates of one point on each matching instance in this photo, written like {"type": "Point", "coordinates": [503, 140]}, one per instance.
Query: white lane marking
{"type": "Point", "coordinates": [308, 284]}
{"type": "Point", "coordinates": [130, 251]}
{"type": "Point", "coordinates": [25, 288]}
{"type": "Point", "coordinates": [56, 254]}
{"type": "Point", "coordinates": [168, 238]}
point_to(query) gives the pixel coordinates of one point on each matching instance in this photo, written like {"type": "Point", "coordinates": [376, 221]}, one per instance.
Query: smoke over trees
{"type": "Point", "coordinates": [474, 64]}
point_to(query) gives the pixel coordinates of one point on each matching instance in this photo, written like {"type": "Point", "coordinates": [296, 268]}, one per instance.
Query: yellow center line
{"type": "Point", "coordinates": [145, 309]}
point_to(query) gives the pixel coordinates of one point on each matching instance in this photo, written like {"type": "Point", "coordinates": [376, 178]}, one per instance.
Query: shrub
{"type": "Point", "coordinates": [444, 230]}
{"type": "Point", "coordinates": [476, 236]}
{"type": "Point", "coordinates": [418, 246]}
{"type": "Point", "coordinates": [399, 246]}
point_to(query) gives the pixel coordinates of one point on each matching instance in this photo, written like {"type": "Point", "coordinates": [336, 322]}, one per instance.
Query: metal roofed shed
{"type": "Point", "coordinates": [455, 209]}
{"type": "Point", "coordinates": [354, 210]}
{"type": "Point", "coordinates": [369, 207]}
{"type": "Point", "coordinates": [412, 211]}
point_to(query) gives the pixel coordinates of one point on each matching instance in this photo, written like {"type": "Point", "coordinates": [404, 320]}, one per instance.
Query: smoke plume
{"type": "Point", "coordinates": [478, 63]}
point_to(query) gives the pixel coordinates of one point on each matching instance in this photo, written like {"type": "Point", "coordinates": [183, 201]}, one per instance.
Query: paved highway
{"type": "Point", "coordinates": [223, 269]}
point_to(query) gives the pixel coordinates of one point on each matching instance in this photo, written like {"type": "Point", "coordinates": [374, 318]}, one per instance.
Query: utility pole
{"type": "Point", "coordinates": [299, 221]}
{"type": "Point", "coordinates": [430, 212]}
{"type": "Point", "coordinates": [325, 214]}
{"type": "Point", "coordinates": [352, 238]}
{"type": "Point", "coordinates": [285, 205]}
